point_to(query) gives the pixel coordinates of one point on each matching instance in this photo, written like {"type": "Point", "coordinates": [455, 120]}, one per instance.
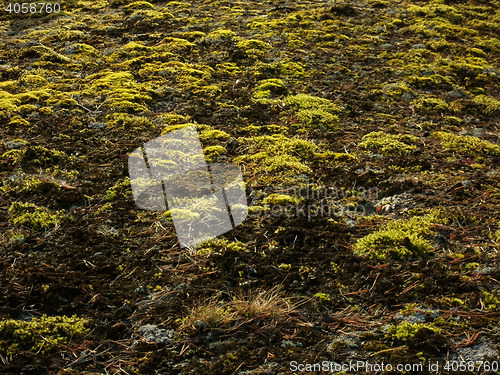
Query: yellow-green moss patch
{"type": "Point", "coordinates": [466, 144]}
{"type": "Point", "coordinates": [389, 144]}
{"type": "Point", "coordinates": [400, 239]}
{"type": "Point", "coordinates": [44, 334]}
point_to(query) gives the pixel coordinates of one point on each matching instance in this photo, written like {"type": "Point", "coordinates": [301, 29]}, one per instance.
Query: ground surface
{"type": "Point", "coordinates": [374, 232]}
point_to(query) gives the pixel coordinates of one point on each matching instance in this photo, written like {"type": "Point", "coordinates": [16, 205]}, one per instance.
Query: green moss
{"type": "Point", "coordinates": [120, 90]}
{"type": "Point", "coordinates": [8, 103]}
{"type": "Point", "coordinates": [268, 89]}
{"type": "Point", "coordinates": [277, 156]}
{"type": "Point", "coordinates": [212, 152]}
{"type": "Point", "coordinates": [322, 297]}
{"type": "Point", "coordinates": [209, 134]}
{"type": "Point", "coordinates": [122, 189]}
{"type": "Point", "coordinates": [280, 199]}
{"type": "Point", "coordinates": [406, 330]}
{"type": "Point", "coordinates": [253, 45]}
{"type": "Point", "coordinates": [491, 300]}
{"type": "Point", "coordinates": [132, 49]}
{"type": "Point", "coordinates": [33, 216]}
{"type": "Point", "coordinates": [130, 123]}
{"type": "Point", "coordinates": [466, 144]}
{"type": "Point", "coordinates": [221, 35]}
{"type": "Point", "coordinates": [488, 104]}
{"type": "Point", "coordinates": [389, 144]}
{"type": "Point", "coordinates": [399, 239]}
{"type": "Point", "coordinates": [219, 245]}
{"type": "Point", "coordinates": [430, 104]}
{"type": "Point", "coordinates": [139, 5]}
{"type": "Point", "coordinates": [173, 118]}
{"type": "Point", "coordinates": [18, 121]}
{"type": "Point", "coordinates": [40, 156]}
{"type": "Point", "coordinates": [181, 214]}
{"type": "Point", "coordinates": [314, 111]}
{"type": "Point", "coordinates": [39, 335]}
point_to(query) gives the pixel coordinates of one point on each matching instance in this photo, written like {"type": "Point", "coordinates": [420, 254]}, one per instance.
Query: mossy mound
{"type": "Point", "coordinates": [389, 144]}
{"type": "Point", "coordinates": [32, 216]}
{"type": "Point", "coordinates": [314, 112]}
{"type": "Point", "coordinates": [466, 144]}
{"type": "Point", "coordinates": [399, 239]}
{"type": "Point", "coordinates": [39, 335]}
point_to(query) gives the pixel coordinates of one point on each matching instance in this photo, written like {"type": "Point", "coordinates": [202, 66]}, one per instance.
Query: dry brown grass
{"type": "Point", "coordinates": [262, 303]}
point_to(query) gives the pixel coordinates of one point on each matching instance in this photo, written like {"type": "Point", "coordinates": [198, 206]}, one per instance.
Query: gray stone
{"type": "Point", "coordinates": [152, 334]}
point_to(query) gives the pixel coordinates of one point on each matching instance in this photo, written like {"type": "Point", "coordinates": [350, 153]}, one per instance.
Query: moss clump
{"type": "Point", "coordinates": [466, 144]}
{"type": "Point", "coordinates": [33, 216]}
{"type": "Point", "coordinates": [122, 189]}
{"type": "Point", "coordinates": [389, 144]}
{"type": "Point", "coordinates": [120, 90]}
{"type": "Point", "coordinates": [322, 297]}
{"type": "Point", "coordinates": [491, 300]}
{"type": "Point", "coordinates": [278, 156]}
{"type": "Point", "coordinates": [219, 245]}
{"type": "Point", "coordinates": [253, 46]}
{"type": "Point", "coordinates": [399, 239]}
{"type": "Point", "coordinates": [221, 35]}
{"type": "Point", "coordinates": [430, 104]}
{"type": "Point", "coordinates": [267, 89]}
{"type": "Point", "coordinates": [8, 103]}
{"type": "Point", "coordinates": [313, 111]}
{"type": "Point", "coordinates": [44, 334]}
{"type": "Point", "coordinates": [212, 152]}
{"type": "Point", "coordinates": [205, 133]}
{"type": "Point", "coordinates": [488, 104]}
{"type": "Point", "coordinates": [407, 330]}
{"type": "Point", "coordinates": [18, 121]}
{"type": "Point", "coordinates": [139, 5]}
{"type": "Point", "coordinates": [40, 156]}
{"type": "Point", "coordinates": [280, 199]}
{"type": "Point", "coordinates": [129, 123]}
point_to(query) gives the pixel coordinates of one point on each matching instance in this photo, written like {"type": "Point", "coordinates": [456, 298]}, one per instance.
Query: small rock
{"type": "Point", "coordinates": [15, 144]}
{"type": "Point", "coordinates": [97, 125]}
{"type": "Point", "coordinates": [152, 334]}
{"type": "Point", "coordinates": [478, 132]}
{"type": "Point", "coordinates": [418, 46]}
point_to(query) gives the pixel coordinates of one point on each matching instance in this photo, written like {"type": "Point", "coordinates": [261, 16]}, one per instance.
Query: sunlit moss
{"type": "Point", "coordinates": [280, 199]}
{"type": "Point", "coordinates": [18, 121]}
{"type": "Point", "coordinates": [267, 90]}
{"type": "Point", "coordinates": [406, 330]}
{"type": "Point", "coordinates": [399, 239]}
{"type": "Point", "coordinates": [120, 89]}
{"type": "Point", "coordinates": [490, 105]}
{"type": "Point", "coordinates": [389, 144]}
{"type": "Point", "coordinates": [313, 111]}
{"type": "Point", "coordinates": [212, 152]}
{"type": "Point", "coordinates": [466, 144]}
{"type": "Point", "coordinates": [122, 189]}
{"type": "Point", "coordinates": [33, 216]}
{"type": "Point", "coordinates": [44, 334]}
{"type": "Point", "coordinates": [139, 5]}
